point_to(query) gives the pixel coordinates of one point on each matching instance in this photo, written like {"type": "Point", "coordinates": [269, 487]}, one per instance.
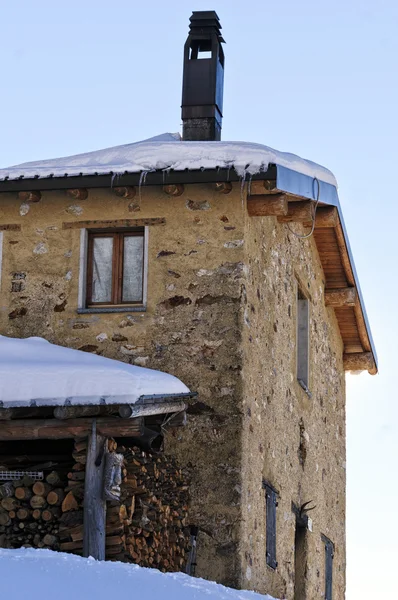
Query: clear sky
{"type": "Point", "coordinates": [317, 78]}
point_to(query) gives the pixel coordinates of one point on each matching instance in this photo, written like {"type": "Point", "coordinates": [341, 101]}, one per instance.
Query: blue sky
{"type": "Point", "coordinates": [315, 78]}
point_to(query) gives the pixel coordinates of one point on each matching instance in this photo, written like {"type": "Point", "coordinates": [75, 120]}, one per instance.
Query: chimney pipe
{"type": "Point", "coordinates": [203, 79]}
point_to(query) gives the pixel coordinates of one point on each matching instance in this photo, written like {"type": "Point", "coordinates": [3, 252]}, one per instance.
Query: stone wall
{"type": "Point", "coordinates": [190, 328]}
{"type": "Point", "coordinates": [221, 316]}
{"type": "Point", "coordinates": [295, 442]}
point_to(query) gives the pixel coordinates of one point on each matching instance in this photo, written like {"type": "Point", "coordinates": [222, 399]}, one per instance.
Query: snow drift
{"type": "Point", "coordinates": [31, 573]}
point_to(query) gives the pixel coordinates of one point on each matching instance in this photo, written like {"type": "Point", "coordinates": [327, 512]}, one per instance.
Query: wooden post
{"type": "Point", "coordinates": [94, 505]}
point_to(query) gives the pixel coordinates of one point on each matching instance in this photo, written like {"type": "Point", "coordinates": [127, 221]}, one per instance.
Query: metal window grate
{"type": "Point", "coordinates": [14, 475]}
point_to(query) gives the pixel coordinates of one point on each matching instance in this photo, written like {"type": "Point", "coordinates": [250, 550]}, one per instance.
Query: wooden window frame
{"type": "Point", "coordinates": [271, 503]}
{"type": "Point", "coordinates": [118, 236]}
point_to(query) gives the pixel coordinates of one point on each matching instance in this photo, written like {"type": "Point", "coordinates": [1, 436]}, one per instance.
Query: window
{"type": "Point", "coordinates": [115, 268]}
{"type": "Point", "coordinates": [303, 319]}
{"type": "Point", "coordinates": [270, 504]}
{"type": "Point", "coordinates": [329, 554]}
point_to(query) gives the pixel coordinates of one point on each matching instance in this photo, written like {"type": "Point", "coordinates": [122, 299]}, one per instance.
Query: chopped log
{"type": "Point", "coordinates": [23, 513]}
{"type": "Point", "coordinates": [326, 216]}
{"type": "Point", "coordinates": [80, 446]}
{"type": "Point", "coordinates": [36, 514]}
{"type": "Point", "coordinates": [23, 493]}
{"type": "Point", "coordinates": [76, 476]}
{"type": "Point", "coordinates": [341, 297]}
{"type": "Point", "coordinates": [174, 189]}
{"type": "Point", "coordinates": [69, 503]}
{"type": "Point", "coordinates": [56, 497]}
{"type": "Point", "coordinates": [69, 546]}
{"type": "Point", "coordinates": [94, 505]}
{"type": "Point", "coordinates": [51, 514]}
{"type": "Point", "coordinates": [32, 429]}
{"type": "Point", "coordinates": [127, 192]}
{"type": "Point", "coordinates": [6, 490]}
{"type": "Point", "coordinates": [78, 193]}
{"type": "Point", "coordinates": [40, 488]}
{"type": "Point", "coordinates": [50, 540]}
{"type": "Point", "coordinates": [4, 518]}
{"type": "Point", "coordinates": [298, 212]}
{"type": "Point", "coordinates": [33, 196]}
{"type": "Point", "coordinates": [53, 478]}
{"type": "Point", "coordinates": [38, 502]}
{"type": "Point", "coordinates": [71, 518]}
{"type": "Point", "coordinates": [224, 187]}
{"type": "Point", "coordinates": [267, 205]}
{"type": "Point", "coordinates": [9, 504]}
{"type": "Point", "coordinates": [359, 361]}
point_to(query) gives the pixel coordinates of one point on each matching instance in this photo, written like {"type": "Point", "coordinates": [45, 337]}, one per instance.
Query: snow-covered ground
{"type": "Point", "coordinates": [32, 369]}
{"type": "Point", "coordinates": [34, 574]}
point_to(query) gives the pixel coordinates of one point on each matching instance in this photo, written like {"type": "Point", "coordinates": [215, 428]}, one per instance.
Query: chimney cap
{"type": "Point", "coordinates": [205, 22]}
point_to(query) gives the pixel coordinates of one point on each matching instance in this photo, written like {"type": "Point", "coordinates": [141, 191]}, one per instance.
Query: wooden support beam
{"type": "Point", "coordinates": [267, 205]}
{"type": "Point", "coordinates": [74, 412]}
{"type": "Point", "coordinates": [78, 193]}
{"type": "Point", "coordinates": [260, 187]}
{"type": "Point", "coordinates": [341, 297]}
{"type": "Point", "coordinates": [127, 192]}
{"type": "Point", "coordinates": [326, 216]}
{"type": "Point", "coordinates": [360, 361]}
{"type": "Point", "coordinates": [53, 429]}
{"type": "Point", "coordinates": [224, 187]}
{"type": "Point", "coordinates": [32, 196]}
{"type": "Point", "coordinates": [94, 505]}
{"type": "Point", "coordinates": [116, 223]}
{"type": "Point", "coordinates": [174, 189]}
{"type": "Point", "coordinates": [298, 212]}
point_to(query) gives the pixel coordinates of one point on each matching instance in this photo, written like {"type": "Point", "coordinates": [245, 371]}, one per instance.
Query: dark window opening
{"type": "Point", "coordinates": [271, 503]}
{"type": "Point", "coordinates": [329, 554]}
{"type": "Point", "coordinates": [115, 268]}
{"type": "Point", "coordinates": [303, 318]}
{"type": "Point", "coordinates": [300, 553]}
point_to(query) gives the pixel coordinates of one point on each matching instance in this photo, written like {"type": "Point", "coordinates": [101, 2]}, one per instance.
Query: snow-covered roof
{"type": "Point", "coordinates": [165, 152]}
{"type": "Point", "coordinates": [26, 572]}
{"type": "Point", "coordinates": [35, 372]}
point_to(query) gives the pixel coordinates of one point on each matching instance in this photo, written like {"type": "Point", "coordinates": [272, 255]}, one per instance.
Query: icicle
{"type": "Point", "coordinates": [142, 182]}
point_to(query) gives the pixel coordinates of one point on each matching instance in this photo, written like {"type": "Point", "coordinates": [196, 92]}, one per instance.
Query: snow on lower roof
{"type": "Point", "coordinates": [28, 573]}
{"type": "Point", "coordinates": [165, 152]}
{"type": "Point", "coordinates": [33, 371]}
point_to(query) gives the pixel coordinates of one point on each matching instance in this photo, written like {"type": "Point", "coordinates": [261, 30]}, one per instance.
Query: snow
{"type": "Point", "coordinates": [34, 369]}
{"type": "Point", "coordinates": [31, 573]}
{"type": "Point", "coordinates": [165, 152]}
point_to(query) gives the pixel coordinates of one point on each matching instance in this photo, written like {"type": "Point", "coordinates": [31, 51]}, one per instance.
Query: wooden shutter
{"type": "Point", "coordinates": [271, 503]}
{"type": "Point", "coordinates": [329, 553]}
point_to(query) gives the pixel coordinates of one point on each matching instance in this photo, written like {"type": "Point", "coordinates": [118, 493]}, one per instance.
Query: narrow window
{"type": "Point", "coordinates": [329, 553]}
{"type": "Point", "coordinates": [302, 340]}
{"type": "Point", "coordinates": [115, 268]}
{"type": "Point", "coordinates": [303, 523]}
{"type": "Point", "coordinates": [270, 504]}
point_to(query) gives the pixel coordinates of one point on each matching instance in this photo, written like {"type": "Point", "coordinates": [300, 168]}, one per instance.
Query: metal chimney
{"type": "Point", "coordinates": [203, 78]}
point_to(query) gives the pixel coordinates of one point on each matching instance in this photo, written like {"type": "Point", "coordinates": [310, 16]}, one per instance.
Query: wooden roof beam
{"type": "Point", "coordinates": [298, 212]}
{"type": "Point", "coordinates": [53, 429]}
{"type": "Point", "coordinates": [360, 361]}
{"type": "Point", "coordinates": [326, 216]}
{"type": "Point", "coordinates": [267, 205]}
{"type": "Point", "coordinates": [341, 297]}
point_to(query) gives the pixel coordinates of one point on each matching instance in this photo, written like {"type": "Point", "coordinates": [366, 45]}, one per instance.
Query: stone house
{"type": "Point", "coordinates": [227, 265]}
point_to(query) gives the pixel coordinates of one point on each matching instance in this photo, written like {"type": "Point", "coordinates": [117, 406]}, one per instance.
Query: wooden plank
{"type": "Point", "coordinates": [267, 205]}
{"type": "Point", "coordinates": [262, 186]}
{"type": "Point", "coordinates": [50, 429]}
{"type": "Point", "coordinates": [298, 212]}
{"type": "Point", "coordinates": [326, 216]}
{"type": "Point", "coordinates": [94, 505]}
{"type": "Point", "coordinates": [10, 227]}
{"type": "Point", "coordinates": [341, 297]}
{"type": "Point", "coordinates": [114, 223]}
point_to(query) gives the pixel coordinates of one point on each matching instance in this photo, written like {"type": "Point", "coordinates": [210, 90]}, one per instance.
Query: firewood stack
{"type": "Point", "coordinates": [148, 526]}
{"type": "Point", "coordinates": [30, 511]}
